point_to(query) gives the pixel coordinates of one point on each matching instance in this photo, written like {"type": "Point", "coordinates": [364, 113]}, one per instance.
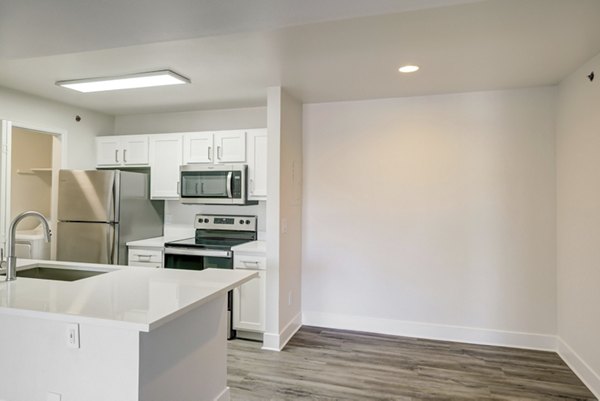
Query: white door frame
{"type": "Point", "coordinates": [59, 160]}
{"type": "Point", "coordinates": [5, 160]}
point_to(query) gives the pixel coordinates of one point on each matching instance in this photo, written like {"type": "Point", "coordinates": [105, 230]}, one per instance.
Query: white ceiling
{"type": "Point", "coordinates": [321, 50]}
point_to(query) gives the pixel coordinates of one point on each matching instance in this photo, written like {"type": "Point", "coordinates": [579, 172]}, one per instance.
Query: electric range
{"type": "Point", "coordinates": [211, 247]}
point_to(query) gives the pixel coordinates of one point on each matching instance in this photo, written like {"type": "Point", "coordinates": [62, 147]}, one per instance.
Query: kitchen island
{"type": "Point", "coordinates": [127, 334]}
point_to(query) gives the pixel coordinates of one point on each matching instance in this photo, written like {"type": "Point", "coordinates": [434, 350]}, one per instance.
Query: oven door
{"type": "Point", "coordinates": [197, 259]}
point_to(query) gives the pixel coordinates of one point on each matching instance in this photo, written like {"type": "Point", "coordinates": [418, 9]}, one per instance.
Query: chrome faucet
{"type": "Point", "coordinates": [11, 259]}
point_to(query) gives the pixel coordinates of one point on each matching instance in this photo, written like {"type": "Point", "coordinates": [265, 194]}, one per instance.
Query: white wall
{"type": "Point", "coordinates": [252, 117]}
{"type": "Point", "coordinates": [22, 108]}
{"type": "Point", "coordinates": [271, 338]}
{"type": "Point", "coordinates": [284, 217]}
{"type": "Point", "coordinates": [578, 222]}
{"type": "Point", "coordinates": [432, 216]}
{"type": "Point", "coordinates": [290, 186]}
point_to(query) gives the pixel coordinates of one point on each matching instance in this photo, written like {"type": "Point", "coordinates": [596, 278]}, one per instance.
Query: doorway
{"type": "Point", "coordinates": [31, 159]}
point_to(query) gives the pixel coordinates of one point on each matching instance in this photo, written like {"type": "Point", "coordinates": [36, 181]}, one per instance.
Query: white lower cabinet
{"type": "Point", "coordinates": [145, 257]}
{"type": "Point", "coordinates": [249, 300]}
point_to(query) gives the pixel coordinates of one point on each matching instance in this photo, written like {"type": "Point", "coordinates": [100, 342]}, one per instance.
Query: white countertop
{"type": "Point", "coordinates": [254, 247]}
{"type": "Point", "coordinates": [136, 298]}
{"type": "Point", "coordinates": [156, 242]}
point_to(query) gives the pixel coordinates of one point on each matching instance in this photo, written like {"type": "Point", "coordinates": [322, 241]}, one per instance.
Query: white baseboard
{"type": "Point", "coordinates": [587, 375]}
{"type": "Point", "coordinates": [441, 332]}
{"type": "Point", "coordinates": [276, 341]}
{"type": "Point", "coordinates": [224, 396]}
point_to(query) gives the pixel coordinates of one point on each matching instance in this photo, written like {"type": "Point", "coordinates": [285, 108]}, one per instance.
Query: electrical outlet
{"type": "Point", "coordinates": [290, 298]}
{"type": "Point", "coordinates": [73, 335]}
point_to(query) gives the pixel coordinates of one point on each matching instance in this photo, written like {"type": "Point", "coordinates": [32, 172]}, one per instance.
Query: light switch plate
{"type": "Point", "coordinates": [53, 397]}
{"type": "Point", "coordinates": [73, 335]}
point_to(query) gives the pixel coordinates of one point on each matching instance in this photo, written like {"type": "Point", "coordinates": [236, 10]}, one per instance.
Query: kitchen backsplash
{"type": "Point", "coordinates": [179, 218]}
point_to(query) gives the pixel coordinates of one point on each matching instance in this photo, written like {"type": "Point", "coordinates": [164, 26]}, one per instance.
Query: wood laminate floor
{"type": "Point", "coordinates": [324, 364]}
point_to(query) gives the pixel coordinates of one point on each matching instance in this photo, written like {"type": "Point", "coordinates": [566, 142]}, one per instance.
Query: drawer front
{"type": "Point", "coordinates": [144, 264]}
{"type": "Point", "coordinates": [145, 255]}
{"type": "Point", "coordinates": [249, 262]}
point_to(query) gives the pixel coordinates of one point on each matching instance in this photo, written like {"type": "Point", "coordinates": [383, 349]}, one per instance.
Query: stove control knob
{"type": "Point", "coordinates": [247, 221]}
{"type": "Point", "coordinates": [241, 221]}
{"type": "Point", "coordinates": [206, 220]}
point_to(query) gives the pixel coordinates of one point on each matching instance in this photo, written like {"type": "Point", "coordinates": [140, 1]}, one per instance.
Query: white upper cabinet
{"type": "Point", "coordinates": [257, 164]}
{"type": "Point", "coordinates": [198, 147]}
{"type": "Point", "coordinates": [135, 150]}
{"type": "Point", "coordinates": [230, 146]}
{"type": "Point", "coordinates": [107, 151]}
{"type": "Point", "coordinates": [166, 155]}
{"type": "Point", "coordinates": [122, 150]}
{"type": "Point", "coordinates": [214, 147]}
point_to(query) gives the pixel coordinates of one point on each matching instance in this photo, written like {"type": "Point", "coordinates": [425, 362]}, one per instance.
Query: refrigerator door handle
{"type": "Point", "coordinates": [110, 244]}
{"type": "Point", "coordinates": [114, 243]}
{"type": "Point", "coordinates": [116, 197]}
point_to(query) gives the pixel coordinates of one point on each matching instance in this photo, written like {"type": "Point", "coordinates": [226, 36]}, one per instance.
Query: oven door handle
{"type": "Point", "coordinates": [198, 252]}
{"type": "Point", "coordinates": [229, 182]}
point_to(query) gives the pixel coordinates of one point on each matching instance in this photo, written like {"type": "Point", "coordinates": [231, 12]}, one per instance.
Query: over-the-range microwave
{"type": "Point", "coordinates": [216, 184]}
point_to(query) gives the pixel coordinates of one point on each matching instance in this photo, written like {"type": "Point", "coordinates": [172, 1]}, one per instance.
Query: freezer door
{"type": "Point", "coordinates": [87, 195]}
{"type": "Point", "coordinates": [87, 242]}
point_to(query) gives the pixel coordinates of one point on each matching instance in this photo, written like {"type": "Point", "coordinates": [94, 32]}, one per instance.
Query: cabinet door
{"type": "Point", "coordinates": [257, 164]}
{"type": "Point", "coordinates": [230, 146]}
{"type": "Point", "coordinates": [108, 151]}
{"type": "Point", "coordinates": [165, 159]}
{"type": "Point", "coordinates": [198, 147]}
{"type": "Point", "coordinates": [249, 304]}
{"type": "Point", "coordinates": [135, 150]}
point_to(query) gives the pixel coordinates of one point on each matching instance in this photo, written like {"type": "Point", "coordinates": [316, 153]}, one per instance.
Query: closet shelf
{"type": "Point", "coordinates": [35, 171]}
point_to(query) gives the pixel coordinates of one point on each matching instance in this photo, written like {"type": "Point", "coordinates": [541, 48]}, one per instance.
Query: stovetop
{"type": "Point", "coordinates": [219, 232]}
{"type": "Point", "coordinates": [207, 243]}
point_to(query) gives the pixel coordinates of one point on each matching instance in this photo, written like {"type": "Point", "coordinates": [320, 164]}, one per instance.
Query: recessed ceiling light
{"type": "Point", "coordinates": [141, 80]}
{"type": "Point", "coordinates": [408, 68]}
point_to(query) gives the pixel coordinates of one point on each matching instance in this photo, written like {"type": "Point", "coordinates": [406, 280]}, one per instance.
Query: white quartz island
{"type": "Point", "coordinates": [142, 334]}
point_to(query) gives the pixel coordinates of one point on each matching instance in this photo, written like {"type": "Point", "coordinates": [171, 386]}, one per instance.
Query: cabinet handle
{"type": "Point", "coordinates": [219, 152]}
{"type": "Point", "coordinates": [247, 262]}
{"type": "Point", "coordinates": [116, 155]}
{"type": "Point", "coordinates": [178, 190]}
{"type": "Point", "coordinates": [209, 152]}
{"type": "Point", "coordinates": [124, 155]}
{"type": "Point", "coordinates": [145, 257]}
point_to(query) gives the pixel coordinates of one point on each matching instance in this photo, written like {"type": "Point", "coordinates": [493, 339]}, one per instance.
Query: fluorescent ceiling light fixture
{"type": "Point", "coordinates": [408, 68]}
{"type": "Point", "coordinates": [141, 80]}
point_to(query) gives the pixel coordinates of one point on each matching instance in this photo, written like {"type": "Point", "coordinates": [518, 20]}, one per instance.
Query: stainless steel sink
{"type": "Point", "coordinates": [47, 272]}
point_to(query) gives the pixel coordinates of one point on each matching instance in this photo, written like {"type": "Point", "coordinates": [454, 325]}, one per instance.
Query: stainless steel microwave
{"type": "Point", "coordinates": [216, 184]}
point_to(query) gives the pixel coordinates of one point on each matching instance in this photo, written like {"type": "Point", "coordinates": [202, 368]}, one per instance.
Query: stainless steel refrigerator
{"type": "Point", "coordinates": [99, 211]}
